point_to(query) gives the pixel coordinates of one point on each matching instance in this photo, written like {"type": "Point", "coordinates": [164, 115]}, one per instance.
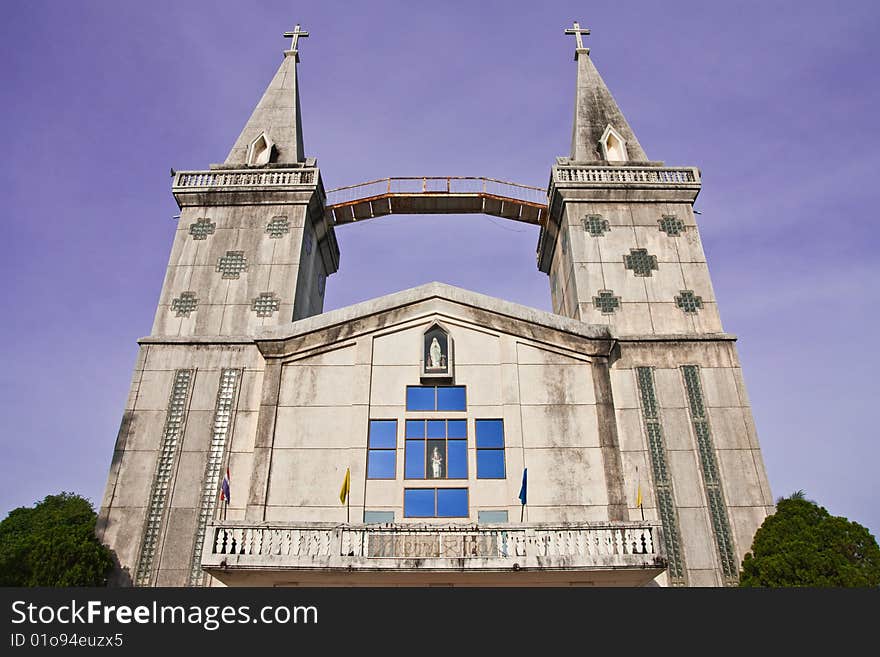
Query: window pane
{"type": "Point", "coordinates": [451, 398]}
{"type": "Point", "coordinates": [491, 516]}
{"type": "Point", "coordinates": [415, 428]}
{"type": "Point", "coordinates": [490, 464]}
{"type": "Point", "coordinates": [456, 467]}
{"type": "Point", "coordinates": [419, 398]}
{"type": "Point", "coordinates": [452, 503]}
{"type": "Point", "coordinates": [490, 433]}
{"type": "Point", "coordinates": [415, 459]}
{"type": "Point", "coordinates": [383, 433]}
{"type": "Point", "coordinates": [457, 428]}
{"type": "Point", "coordinates": [379, 516]}
{"type": "Point", "coordinates": [381, 464]}
{"type": "Point", "coordinates": [418, 503]}
{"type": "Point", "coordinates": [435, 459]}
{"type": "Point", "coordinates": [436, 429]}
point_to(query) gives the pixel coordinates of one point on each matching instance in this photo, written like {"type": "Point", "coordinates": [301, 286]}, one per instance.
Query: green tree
{"type": "Point", "coordinates": [804, 545]}
{"type": "Point", "coordinates": [53, 544]}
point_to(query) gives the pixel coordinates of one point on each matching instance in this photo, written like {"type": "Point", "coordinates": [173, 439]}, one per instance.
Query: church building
{"type": "Point", "coordinates": [435, 436]}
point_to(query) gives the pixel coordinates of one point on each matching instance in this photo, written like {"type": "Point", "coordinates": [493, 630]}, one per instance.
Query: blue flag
{"type": "Point", "coordinates": [522, 491]}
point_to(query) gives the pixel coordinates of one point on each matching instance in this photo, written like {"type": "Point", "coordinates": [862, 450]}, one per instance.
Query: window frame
{"type": "Point", "coordinates": [371, 449]}
{"type": "Point", "coordinates": [436, 407]}
{"type": "Point", "coordinates": [502, 449]}
{"type": "Point", "coordinates": [436, 491]}
{"type": "Point", "coordinates": [424, 438]}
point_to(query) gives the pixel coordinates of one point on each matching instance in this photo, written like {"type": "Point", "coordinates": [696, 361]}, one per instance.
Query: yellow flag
{"type": "Point", "coordinates": [346, 486]}
{"type": "Point", "coordinates": [639, 495]}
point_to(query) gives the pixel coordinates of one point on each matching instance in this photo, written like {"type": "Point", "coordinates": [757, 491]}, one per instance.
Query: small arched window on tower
{"type": "Point", "coordinates": [613, 145]}
{"type": "Point", "coordinates": [260, 150]}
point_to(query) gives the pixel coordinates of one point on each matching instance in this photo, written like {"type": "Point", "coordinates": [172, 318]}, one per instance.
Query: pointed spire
{"type": "Point", "coordinates": [594, 111]}
{"type": "Point", "coordinates": [276, 118]}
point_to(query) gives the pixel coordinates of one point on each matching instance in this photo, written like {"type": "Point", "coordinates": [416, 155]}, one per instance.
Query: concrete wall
{"type": "Point", "coordinates": [583, 264]}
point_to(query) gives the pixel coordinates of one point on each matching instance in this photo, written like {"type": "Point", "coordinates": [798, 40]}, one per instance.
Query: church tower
{"type": "Point", "coordinates": [622, 249]}
{"type": "Point", "coordinates": [252, 249]}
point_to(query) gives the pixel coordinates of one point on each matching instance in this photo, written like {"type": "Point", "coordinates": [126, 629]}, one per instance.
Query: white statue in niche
{"type": "Point", "coordinates": [436, 464]}
{"type": "Point", "coordinates": [436, 355]}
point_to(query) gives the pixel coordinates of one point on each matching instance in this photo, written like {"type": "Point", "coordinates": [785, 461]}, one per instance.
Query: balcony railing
{"type": "Point", "coordinates": [243, 178]}
{"type": "Point", "coordinates": [568, 546]}
{"type": "Point", "coordinates": [659, 176]}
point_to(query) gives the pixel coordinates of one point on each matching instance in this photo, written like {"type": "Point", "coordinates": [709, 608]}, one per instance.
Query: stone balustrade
{"type": "Point", "coordinates": [233, 545]}
{"type": "Point", "coordinates": [243, 178]}
{"type": "Point", "coordinates": [627, 175]}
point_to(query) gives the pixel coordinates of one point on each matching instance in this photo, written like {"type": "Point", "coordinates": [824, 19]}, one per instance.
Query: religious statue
{"type": "Point", "coordinates": [436, 355]}
{"type": "Point", "coordinates": [436, 464]}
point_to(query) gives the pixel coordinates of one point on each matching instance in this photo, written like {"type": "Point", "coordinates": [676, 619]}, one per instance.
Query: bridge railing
{"type": "Point", "coordinates": [437, 185]}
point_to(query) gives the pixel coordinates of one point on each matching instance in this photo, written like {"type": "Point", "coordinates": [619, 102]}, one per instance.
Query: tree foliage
{"type": "Point", "coordinates": [53, 544]}
{"type": "Point", "coordinates": [804, 545]}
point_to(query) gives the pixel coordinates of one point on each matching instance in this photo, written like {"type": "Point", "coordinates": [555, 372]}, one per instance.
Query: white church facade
{"type": "Point", "coordinates": [621, 417]}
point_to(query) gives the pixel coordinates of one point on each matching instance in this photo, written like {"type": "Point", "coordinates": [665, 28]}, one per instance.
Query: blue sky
{"type": "Point", "coordinates": [776, 102]}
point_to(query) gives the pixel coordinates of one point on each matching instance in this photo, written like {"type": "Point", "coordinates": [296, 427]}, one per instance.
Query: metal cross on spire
{"type": "Point", "coordinates": [296, 34]}
{"type": "Point", "coordinates": [578, 32]}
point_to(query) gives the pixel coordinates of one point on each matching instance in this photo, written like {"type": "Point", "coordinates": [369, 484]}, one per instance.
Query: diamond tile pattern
{"type": "Point", "coordinates": [689, 302]}
{"type": "Point", "coordinates": [672, 226]}
{"type": "Point", "coordinates": [183, 305]}
{"type": "Point", "coordinates": [201, 228]}
{"type": "Point", "coordinates": [640, 262]}
{"type": "Point", "coordinates": [278, 227]}
{"type": "Point", "coordinates": [175, 422]}
{"type": "Point", "coordinates": [265, 304]}
{"type": "Point", "coordinates": [232, 264]}
{"type": "Point", "coordinates": [606, 302]}
{"type": "Point", "coordinates": [595, 225]}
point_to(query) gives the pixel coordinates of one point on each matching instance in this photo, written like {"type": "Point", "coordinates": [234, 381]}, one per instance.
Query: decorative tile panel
{"type": "Point", "coordinates": [265, 304]}
{"type": "Point", "coordinates": [222, 428]}
{"type": "Point", "coordinates": [201, 228]}
{"type": "Point", "coordinates": [175, 423]}
{"type": "Point", "coordinates": [232, 264]}
{"type": "Point", "coordinates": [689, 302]}
{"type": "Point", "coordinates": [640, 262]}
{"type": "Point", "coordinates": [606, 302]}
{"type": "Point", "coordinates": [278, 227]}
{"type": "Point", "coordinates": [672, 226]}
{"type": "Point", "coordinates": [183, 305]}
{"type": "Point", "coordinates": [595, 225]}
{"type": "Point", "coordinates": [711, 479]}
{"type": "Point", "coordinates": [662, 482]}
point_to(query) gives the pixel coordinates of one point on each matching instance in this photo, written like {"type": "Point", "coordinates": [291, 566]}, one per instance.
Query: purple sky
{"type": "Point", "coordinates": [776, 102]}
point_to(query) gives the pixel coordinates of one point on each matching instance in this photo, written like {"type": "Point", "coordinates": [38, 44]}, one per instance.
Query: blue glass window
{"type": "Point", "coordinates": [419, 398]}
{"type": "Point", "coordinates": [436, 398]}
{"type": "Point", "coordinates": [452, 502]}
{"type": "Point", "coordinates": [451, 398]}
{"type": "Point", "coordinates": [491, 516]}
{"type": "Point", "coordinates": [490, 449]}
{"type": "Point", "coordinates": [382, 449]}
{"type": "Point", "coordinates": [436, 449]}
{"type": "Point", "coordinates": [371, 517]}
{"type": "Point", "coordinates": [419, 502]}
{"type": "Point", "coordinates": [435, 503]}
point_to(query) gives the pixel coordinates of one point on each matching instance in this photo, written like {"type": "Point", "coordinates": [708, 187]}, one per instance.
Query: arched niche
{"type": "Point", "coordinates": [438, 361]}
{"type": "Point", "coordinates": [613, 145]}
{"type": "Point", "coordinates": [260, 151]}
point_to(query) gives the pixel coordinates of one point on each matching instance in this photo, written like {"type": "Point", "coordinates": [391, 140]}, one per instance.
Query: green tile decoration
{"type": "Point", "coordinates": [183, 305]}
{"type": "Point", "coordinates": [595, 225]}
{"type": "Point", "coordinates": [606, 302]}
{"type": "Point", "coordinates": [265, 304]}
{"type": "Point", "coordinates": [709, 467]}
{"type": "Point", "coordinates": [232, 264]}
{"type": "Point", "coordinates": [689, 302]}
{"type": "Point", "coordinates": [224, 409]}
{"type": "Point", "coordinates": [672, 226]}
{"type": "Point", "coordinates": [201, 228]}
{"type": "Point", "coordinates": [662, 482]}
{"type": "Point", "coordinates": [278, 227]}
{"type": "Point", "coordinates": [640, 262]}
{"type": "Point", "coordinates": [175, 423]}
